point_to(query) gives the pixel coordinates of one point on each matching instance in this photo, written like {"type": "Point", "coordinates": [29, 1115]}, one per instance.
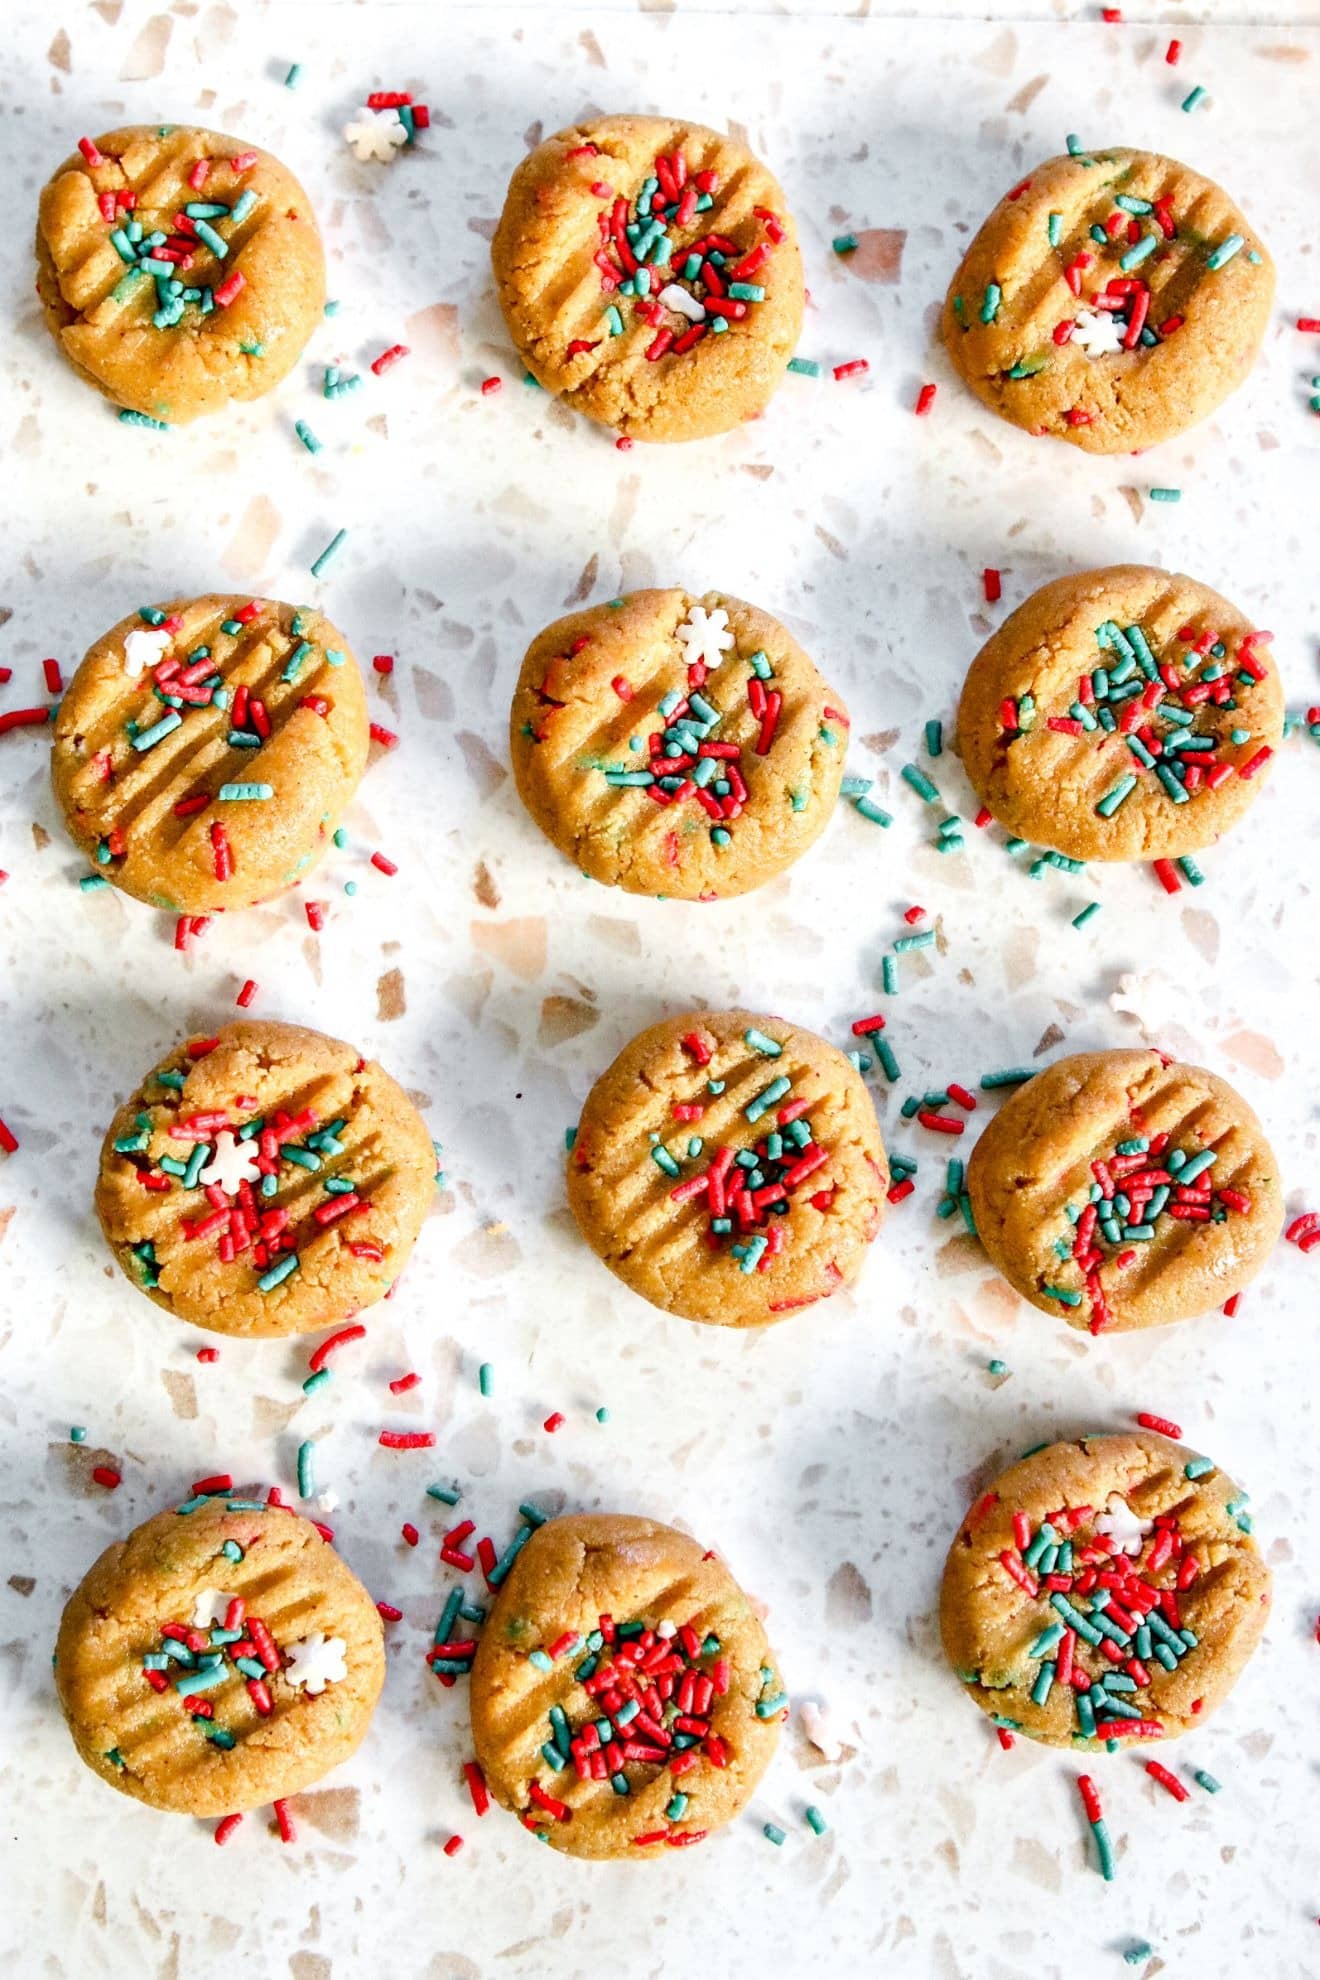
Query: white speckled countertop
{"type": "Point", "coordinates": [831, 1457]}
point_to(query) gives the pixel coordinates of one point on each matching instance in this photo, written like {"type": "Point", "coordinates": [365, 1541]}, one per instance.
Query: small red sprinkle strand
{"type": "Point", "coordinates": [385, 737]}
{"type": "Point", "coordinates": [925, 399]}
{"type": "Point", "coordinates": [288, 1833]}
{"type": "Point", "coordinates": [990, 578]}
{"type": "Point", "coordinates": [246, 994]}
{"type": "Point", "coordinates": [1161, 1424]}
{"type": "Point", "coordinates": [388, 358]}
{"type": "Point", "coordinates": [8, 1139]}
{"type": "Point", "coordinates": [410, 1533]}
{"type": "Point", "coordinates": [225, 1829]}
{"type": "Point", "coordinates": [554, 1422]}
{"type": "Point", "coordinates": [383, 865]}
{"type": "Point", "coordinates": [105, 1474]}
{"type": "Point", "coordinates": [402, 1383]}
{"type": "Point", "coordinates": [315, 912]}
{"type": "Point", "coordinates": [1166, 1780]}
{"type": "Point", "coordinates": [1172, 52]}
{"type": "Point", "coordinates": [406, 1440]}
{"type": "Point", "coordinates": [453, 1846]}
{"type": "Point", "coordinates": [317, 1360]}
{"type": "Point", "coordinates": [853, 369]}
{"type": "Point", "coordinates": [476, 1782]}
{"type": "Point", "coordinates": [489, 386]}
{"type": "Point", "coordinates": [388, 1612]}
{"type": "Point", "coordinates": [54, 679]}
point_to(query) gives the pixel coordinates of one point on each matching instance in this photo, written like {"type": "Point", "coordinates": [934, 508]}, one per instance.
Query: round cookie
{"type": "Point", "coordinates": [649, 273]}
{"type": "Point", "coordinates": [674, 745]}
{"type": "Point", "coordinates": [168, 1704]}
{"type": "Point", "coordinates": [183, 1194]}
{"type": "Point", "coordinates": [1122, 1190]}
{"type": "Point", "coordinates": [1113, 299]}
{"type": "Point", "coordinates": [205, 749]}
{"type": "Point", "coordinates": [1104, 1589]}
{"type": "Point", "coordinates": [729, 1168]}
{"type": "Point", "coordinates": [609, 1625]}
{"type": "Point", "coordinates": [179, 270]}
{"type": "Point", "coordinates": [1121, 714]}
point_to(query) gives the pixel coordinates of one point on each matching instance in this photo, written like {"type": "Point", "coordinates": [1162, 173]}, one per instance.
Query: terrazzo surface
{"type": "Point", "coordinates": [829, 1458]}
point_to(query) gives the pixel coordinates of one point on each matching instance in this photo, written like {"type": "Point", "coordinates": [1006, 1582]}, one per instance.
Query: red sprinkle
{"type": "Point", "coordinates": [315, 912]}
{"type": "Point", "coordinates": [23, 718]}
{"type": "Point", "coordinates": [54, 680]}
{"type": "Point", "coordinates": [105, 1474]}
{"type": "Point", "coordinates": [941, 1123]}
{"type": "Point", "coordinates": [8, 1139]}
{"type": "Point", "coordinates": [410, 1533]}
{"type": "Point", "coordinates": [911, 915]}
{"type": "Point", "coordinates": [1310, 323]}
{"type": "Point", "coordinates": [406, 1440]}
{"type": "Point", "coordinates": [383, 663]}
{"type": "Point", "coordinates": [225, 1829]}
{"type": "Point", "coordinates": [490, 385]}
{"type": "Point", "coordinates": [1090, 1799]}
{"type": "Point", "coordinates": [925, 399]}
{"type": "Point", "coordinates": [208, 1354]}
{"type": "Point", "coordinates": [1168, 876]}
{"type": "Point", "coordinates": [863, 1027]}
{"type": "Point", "coordinates": [383, 865]}
{"type": "Point", "coordinates": [553, 1423]}
{"type": "Point", "coordinates": [1166, 1780]}
{"type": "Point", "coordinates": [453, 1846]}
{"type": "Point", "coordinates": [389, 357]}
{"type": "Point", "coordinates": [853, 368]}
{"type": "Point", "coordinates": [222, 1482]}
{"type": "Point", "coordinates": [317, 1360]}
{"type": "Point", "coordinates": [1172, 52]}
{"type": "Point", "coordinates": [229, 288]}
{"type": "Point", "coordinates": [477, 1788]}
{"type": "Point", "coordinates": [385, 737]}
{"type": "Point", "coordinates": [288, 1833]}
{"type": "Point", "coordinates": [1160, 1424]}
{"type": "Point", "coordinates": [993, 587]}
{"type": "Point", "coordinates": [246, 994]}
{"type": "Point", "coordinates": [90, 152]}
{"type": "Point", "coordinates": [404, 1382]}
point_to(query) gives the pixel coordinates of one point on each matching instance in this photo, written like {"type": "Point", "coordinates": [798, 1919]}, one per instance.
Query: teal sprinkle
{"type": "Point", "coordinates": [934, 738]}
{"type": "Point", "coordinates": [1191, 871]}
{"type": "Point", "coordinates": [245, 793]}
{"type": "Point", "coordinates": [869, 809]}
{"type": "Point", "coordinates": [148, 738]}
{"type": "Point", "coordinates": [1138, 252]}
{"type": "Point", "coordinates": [816, 1821]}
{"type": "Point", "coordinates": [1055, 229]}
{"type": "Point", "coordinates": [91, 883]}
{"type": "Point", "coordinates": [1220, 256]}
{"type": "Point", "coordinates": [805, 367]}
{"type": "Point", "coordinates": [448, 1495]}
{"type": "Point", "coordinates": [294, 77]}
{"type": "Point", "coordinates": [920, 783]}
{"type": "Point", "coordinates": [243, 205]}
{"type": "Point", "coordinates": [990, 304]}
{"type": "Point", "coordinates": [308, 438]}
{"type": "Point", "coordinates": [128, 418]}
{"type": "Point", "coordinates": [1165, 494]}
{"type": "Point", "coordinates": [485, 1378]}
{"type": "Point", "coordinates": [773, 1833]}
{"type": "Point", "coordinates": [760, 1043]}
{"type": "Point", "coordinates": [278, 1273]}
{"type": "Point", "coordinates": [331, 551]}
{"type": "Point", "coordinates": [307, 1469]}
{"type": "Point", "coordinates": [1088, 913]}
{"type": "Point", "coordinates": [1207, 1781]}
{"type": "Point", "coordinates": [315, 1381]}
{"type": "Point", "coordinates": [206, 233]}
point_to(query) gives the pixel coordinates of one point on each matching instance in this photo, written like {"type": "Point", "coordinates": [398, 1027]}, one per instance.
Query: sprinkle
{"type": "Point", "coordinates": [991, 301]}
{"type": "Point", "coordinates": [1168, 1781]}
{"type": "Point", "coordinates": [245, 793]}
{"type": "Point", "coordinates": [1010, 1076]}
{"type": "Point", "coordinates": [406, 1440]}
{"type": "Point", "coordinates": [853, 369]}
{"type": "Point", "coordinates": [489, 386]}
{"type": "Point", "coordinates": [1165, 494]}
{"type": "Point", "coordinates": [1172, 52]}
{"type": "Point", "coordinates": [1228, 247]}
{"type": "Point", "coordinates": [331, 551]}
{"type": "Point", "coordinates": [993, 586]}
{"type": "Point", "coordinates": [294, 77]}
{"type": "Point", "coordinates": [816, 1821]}
{"type": "Point", "coordinates": [129, 418]}
{"type": "Point", "coordinates": [760, 1043]}
{"type": "Point", "coordinates": [845, 243]}
{"type": "Point", "coordinates": [805, 367]}
{"type": "Point", "coordinates": [1206, 1781]}
{"type": "Point", "coordinates": [554, 1422]}
{"type": "Point", "coordinates": [308, 438]}
{"type": "Point", "coordinates": [389, 358]}
{"type": "Point", "coordinates": [485, 1378]}
{"type": "Point", "coordinates": [1161, 1424]}
{"type": "Point", "coordinates": [1088, 913]}
{"type": "Point", "coordinates": [773, 1833]}
{"type": "Point", "coordinates": [106, 1475]}
{"type": "Point", "coordinates": [476, 1783]}
{"type": "Point", "coordinates": [920, 783]}
{"type": "Point", "coordinates": [278, 1273]}
{"type": "Point", "coordinates": [307, 1470]}
{"type": "Point", "coordinates": [384, 865]}
{"type": "Point", "coordinates": [925, 400]}
{"type": "Point", "coordinates": [225, 1829]}
{"type": "Point", "coordinates": [317, 1360]}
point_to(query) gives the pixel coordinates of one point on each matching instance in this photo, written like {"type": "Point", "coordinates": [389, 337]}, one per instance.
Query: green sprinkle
{"type": "Point", "coordinates": [148, 738]}
{"type": "Point", "coordinates": [760, 1043]}
{"type": "Point", "coordinates": [294, 77]}
{"type": "Point", "coordinates": [845, 243]}
{"type": "Point", "coordinates": [485, 1378]}
{"type": "Point", "coordinates": [1165, 494]}
{"type": "Point", "coordinates": [1112, 799]}
{"type": "Point", "coordinates": [128, 418]}
{"type": "Point", "coordinates": [1137, 1954]}
{"type": "Point", "coordinates": [1088, 913]}
{"type": "Point", "coordinates": [889, 976]}
{"type": "Point", "coordinates": [602, 1415]}
{"type": "Point", "coordinates": [1198, 1467]}
{"type": "Point", "coordinates": [1138, 252]}
{"type": "Point", "coordinates": [278, 1273]}
{"type": "Point", "coordinates": [1228, 247]}
{"type": "Point", "coordinates": [1061, 1293]}
{"type": "Point", "coordinates": [1104, 1850]}
{"type": "Point", "coordinates": [816, 1821]}
{"type": "Point", "coordinates": [245, 793]}
{"type": "Point", "coordinates": [924, 940]}
{"type": "Point", "coordinates": [990, 304]}
{"type": "Point", "coordinates": [1192, 98]}
{"type": "Point", "coordinates": [307, 1470]}
{"type": "Point", "coordinates": [316, 1380]}
{"type": "Point", "coordinates": [308, 438]}
{"type": "Point", "coordinates": [1191, 871]}
{"type": "Point", "coordinates": [331, 551]}
{"type": "Point", "coordinates": [207, 235]}
{"type": "Point", "coordinates": [243, 205]}
{"type": "Point", "coordinates": [934, 738]}
{"type": "Point", "coordinates": [1009, 1076]}
{"type": "Point", "coordinates": [773, 1833]}
{"type": "Point", "coordinates": [1055, 228]}
{"type": "Point", "coordinates": [920, 783]}
{"type": "Point", "coordinates": [1207, 1781]}
{"type": "Point", "coordinates": [805, 367]}
{"type": "Point", "coordinates": [868, 808]}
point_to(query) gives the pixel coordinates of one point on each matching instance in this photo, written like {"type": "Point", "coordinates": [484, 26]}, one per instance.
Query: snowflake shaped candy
{"type": "Point", "coordinates": [1124, 1527]}
{"type": "Point", "coordinates": [211, 1608]}
{"type": "Point", "coordinates": [232, 1164]}
{"type": "Point", "coordinates": [1097, 332]}
{"type": "Point", "coordinates": [705, 636]}
{"type": "Point", "coordinates": [143, 648]}
{"type": "Point", "coordinates": [681, 299]}
{"type": "Point", "coordinates": [316, 1661]}
{"type": "Point", "coordinates": [376, 134]}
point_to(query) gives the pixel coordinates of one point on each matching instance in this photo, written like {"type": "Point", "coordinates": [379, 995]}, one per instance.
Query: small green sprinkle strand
{"type": "Point", "coordinates": [1198, 1467]}
{"type": "Point", "coordinates": [1055, 226]}
{"type": "Point", "coordinates": [990, 304]}
{"type": "Point", "coordinates": [1191, 871]}
{"type": "Point", "coordinates": [1220, 256]}
{"type": "Point", "coordinates": [602, 1415]}
{"type": "Point", "coordinates": [316, 1381]}
{"type": "Point", "coordinates": [1165, 494]}
{"type": "Point", "coordinates": [485, 1378]}
{"type": "Point", "coordinates": [760, 1043]}
{"type": "Point", "coordinates": [1088, 913]}
{"type": "Point", "coordinates": [816, 1821]}
{"type": "Point", "coordinates": [920, 783]}
{"type": "Point", "coordinates": [307, 1470]}
{"type": "Point", "coordinates": [1192, 98]}
{"type": "Point", "coordinates": [1010, 1076]}
{"type": "Point", "coordinates": [331, 551]}
{"type": "Point", "coordinates": [1138, 1954]}
{"type": "Point", "coordinates": [128, 418]}
{"type": "Point", "coordinates": [997, 1367]}
{"type": "Point", "coordinates": [934, 738]}
{"type": "Point", "coordinates": [308, 438]}
{"type": "Point", "coordinates": [294, 77]}
{"type": "Point", "coordinates": [448, 1495]}
{"type": "Point", "coordinates": [77, 1433]}
{"type": "Point", "coordinates": [805, 367]}
{"type": "Point", "coordinates": [1207, 1781]}
{"type": "Point", "coordinates": [869, 809]}
{"type": "Point", "coordinates": [774, 1834]}
{"type": "Point", "coordinates": [845, 243]}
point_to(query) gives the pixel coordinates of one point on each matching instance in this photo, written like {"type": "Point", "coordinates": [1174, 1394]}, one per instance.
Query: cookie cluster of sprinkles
{"type": "Point", "coordinates": [1140, 1186]}
{"type": "Point", "coordinates": [166, 254]}
{"type": "Point", "coordinates": [176, 687]}
{"type": "Point", "coordinates": [681, 291]}
{"type": "Point", "coordinates": [220, 1641]}
{"type": "Point", "coordinates": [1168, 712]}
{"type": "Point", "coordinates": [230, 1174]}
{"type": "Point", "coordinates": [1114, 1597]}
{"type": "Point", "coordinates": [745, 1193]}
{"type": "Point", "coordinates": [649, 1698]}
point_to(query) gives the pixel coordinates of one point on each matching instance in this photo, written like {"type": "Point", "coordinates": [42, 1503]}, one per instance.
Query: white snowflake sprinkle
{"type": "Point", "coordinates": [815, 1722]}
{"type": "Point", "coordinates": [1097, 332]}
{"type": "Point", "coordinates": [683, 300]}
{"type": "Point", "coordinates": [232, 1163]}
{"type": "Point", "coordinates": [316, 1661]}
{"type": "Point", "coordinates": [376, 134]}
{"type": "Point", "coordinates": [1123, 1526]}
{"type": "Point", "coordinates": [211, 1608]}
{"type": "Point", "coordinates": [705, 636]}
{"type": "Point", "coordinates": [666, 1629]}
{"type": "Point", "coordinates": [144, 648]}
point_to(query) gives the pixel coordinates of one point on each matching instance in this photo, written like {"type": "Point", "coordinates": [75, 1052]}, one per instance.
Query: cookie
{"type": "Point", "coordinates": [220, 1657]}
{"type": "Point", "coordinates": [1121, 714]}
{"type": "Point", "coordinates": [265, 1180]}
{"type": "Point", "coordinates": [179, 270]}
{"type": "Point", "coordinates": [205, 749]}
{"type": "Point", "coordinates": [624, 1699]}
{"type": "Point", "coordinates": [649, 273]}
{"type": "Point", "coordinates": [1104, 1589]}
{"type": "Point", "coordinates": [1113, 299]}
{"type": "Point", "coordinates": [1121, 1190]}
{"type": "Point", "coordinates": [729, 1168]}
{"type": "Point", "coordinates": [676, 746]}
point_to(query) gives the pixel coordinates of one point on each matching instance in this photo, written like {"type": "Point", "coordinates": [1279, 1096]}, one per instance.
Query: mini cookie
{"type": "Point", "coordinates": [1104, 1589]}
{"type": "Point", "coordinates": [1122, 1190]}
{"type": "Point", "coordinates": [624, 1700]}
{"type": "Point", "coordinates": [729, 1168]}
{"type": "Point", "coordinates": [206, 748]}
{"type": "Point", "coordinates": [1121, 714]}
{"type": "Point", "coordinates": [266, 1180]}
{"type": "Point", "coordinates": [649, 273]}
{"type": "Point", "coordinates": [676, 746]}
{"type": "Point", "coordinates": [178, 269]}
{"type": "Point", "coordinates": [1113, 299]}
{"type": "Point", "coordinates": [221, 1657]}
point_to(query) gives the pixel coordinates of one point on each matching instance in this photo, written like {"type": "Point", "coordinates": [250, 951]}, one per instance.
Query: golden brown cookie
{"type": "Point", "coordinates": [220, 1657]}
{"type": "Point", "coordinates": [178, 269]}
{"type": "Point", "coordinates": [729, 1168]}
{"type": "Point", "coordinates": [675, 745]}
{"type": "Point", "coordinates": [1113, 298]}
{"type": "Point", "coordinates": [1121, 714]}
{"type": "Point", "coordinates": [624, 1700]}
{"type": "Point", "coordinates": [1122, 1190]}
{"type": "Point", "coordinates": [265, 1180]}
{"type": "Point", "coordinates": [649, 273]}
{"type": "Point", "coordinates": [206, 748]}
{"type": "Point", "coordinates": [1104, 1589]}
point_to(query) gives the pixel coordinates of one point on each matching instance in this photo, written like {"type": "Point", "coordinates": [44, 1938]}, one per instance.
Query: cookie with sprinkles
{"type": "Point", "coordinates": [220, 1657]}
{"type": "Point", "coordinates": [1104, 1591]}
{"type": "Point", "coordinates": [624, 1699]}
{"type": "Point", "coordinates": [1113, 298]}
{"type": "Point", "coordinates": [179, 270]}
{"type": "Point", "coordinates": [729, 1168]}
{"type": "Point", "coordinates": [1125, 713]}
{"type": "Point", "coordinates": [265, 1180]}
{"type": "Point", "coordinates": [649, 273]}
{"type": "Point", "coordinates": [676, 746]}
{"type": "Point", "coordinates": [206, 748]}
{"type": "Point", "coordinates": [1120, 1190]}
